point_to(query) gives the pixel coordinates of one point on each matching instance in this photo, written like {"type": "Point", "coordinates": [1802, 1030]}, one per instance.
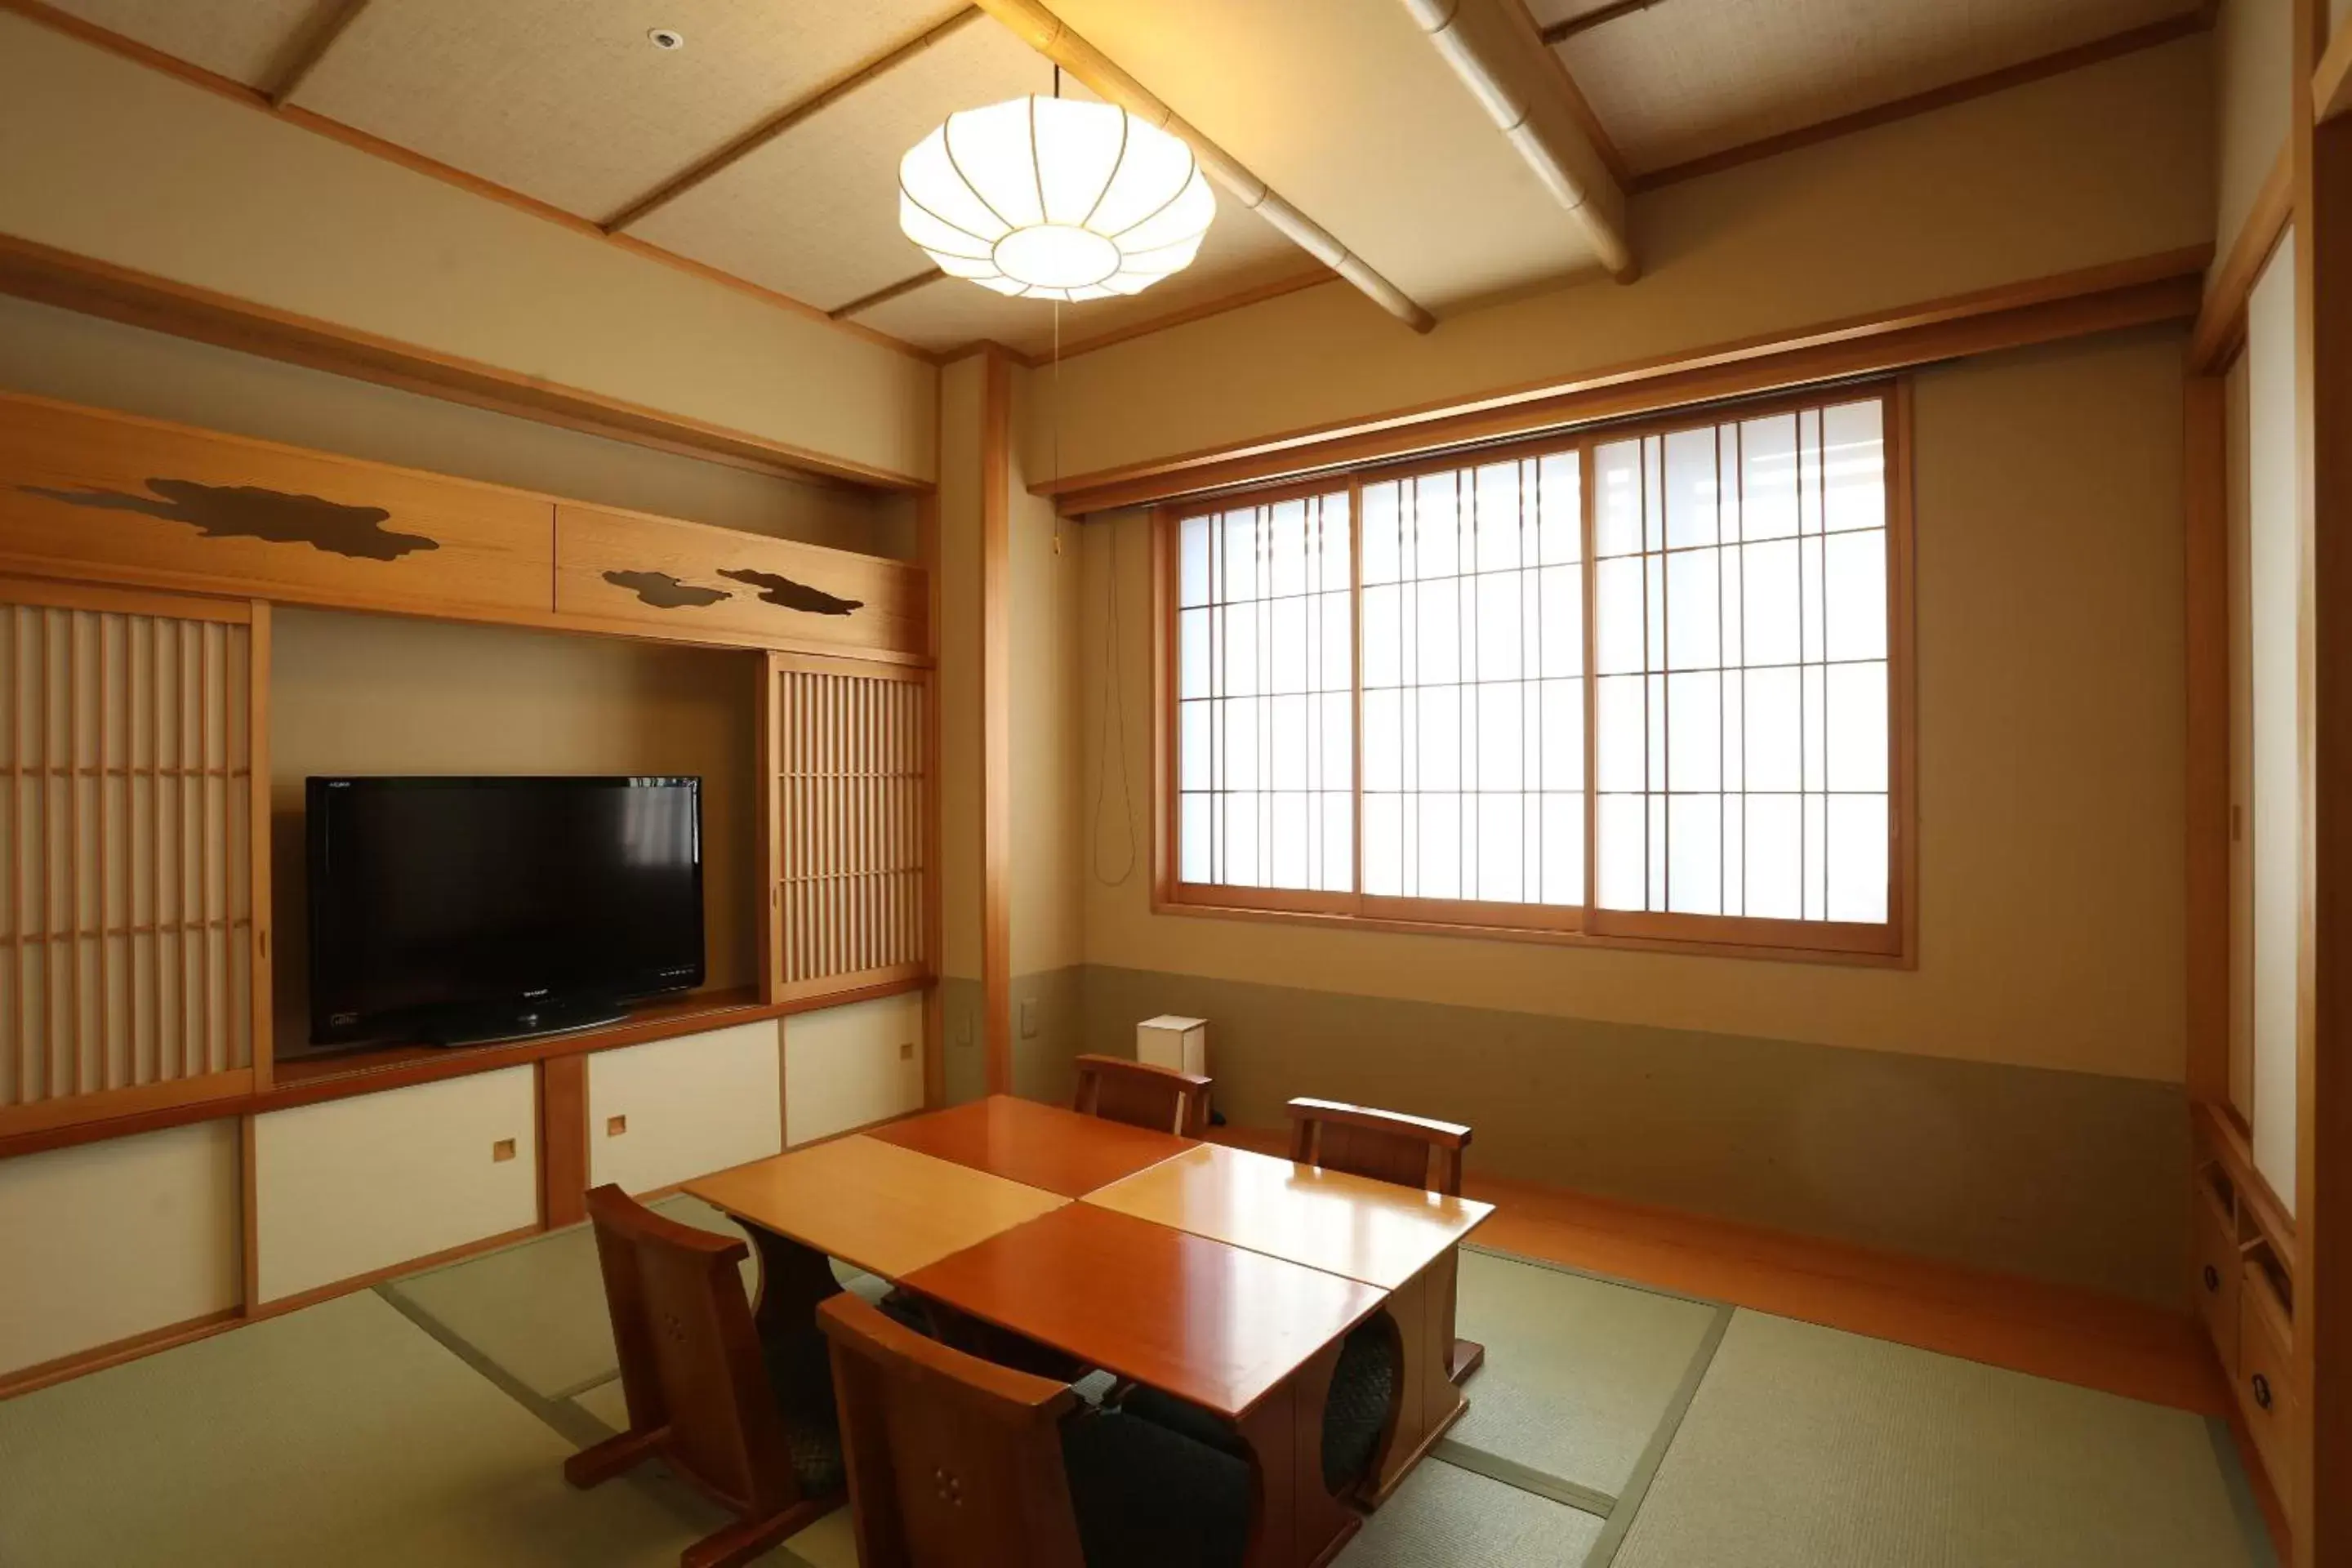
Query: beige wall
{"type": "Point", "coordinates": [2093, 166]}
{"type": "Point", "coordinates": [2253, 64]}
{"type": "Point", "coordinates": [381, 694]}
{"type": "Point", "coordinates": [1048, 810]}
{"type": "Point", "coordinates": [958, 676]}
{"type": "Point", "coordinates": [108, 159]}
{"type": "Point", "coordinates": [2050, 701]}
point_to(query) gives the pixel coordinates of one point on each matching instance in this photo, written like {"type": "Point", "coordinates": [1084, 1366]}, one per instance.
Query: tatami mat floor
{"type": "Point", "coordinates": [1612, 1427]}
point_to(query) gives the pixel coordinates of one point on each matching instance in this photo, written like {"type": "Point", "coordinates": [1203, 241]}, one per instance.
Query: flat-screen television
{"type": "Point", "coordinates": [460, 910]}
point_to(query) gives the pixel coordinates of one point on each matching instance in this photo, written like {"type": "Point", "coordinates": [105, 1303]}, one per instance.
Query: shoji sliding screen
{"type": "Point", "coordinates": [851, 856]}
{"type": "Point", "coordinates": [134, 853]}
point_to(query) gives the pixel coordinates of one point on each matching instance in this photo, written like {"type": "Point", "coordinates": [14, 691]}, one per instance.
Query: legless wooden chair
{"type": "Point", "coordinates": [956, 1462]}
{"type": "Point", "coordinates": [1142, 1095]}
{"type": "Point", "coordinates": [1387, 1146]}
{"type": "Point", "coordinates": [751, 1425]}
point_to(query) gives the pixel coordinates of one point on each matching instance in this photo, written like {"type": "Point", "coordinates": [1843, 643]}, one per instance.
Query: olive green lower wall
{"type": "Point", "coordinates": [2069, 1177]}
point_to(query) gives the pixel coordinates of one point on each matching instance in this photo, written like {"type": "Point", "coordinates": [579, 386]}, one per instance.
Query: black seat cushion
{"type": "Point", "coordinates": [800, 1374]}
{"type": "Point", "coordinates": [1363, 1390]}
{"type": "Point", "coordinates": [1147, 1496]}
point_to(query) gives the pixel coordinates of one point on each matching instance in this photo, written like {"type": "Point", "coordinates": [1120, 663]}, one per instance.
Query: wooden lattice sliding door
{"type": "Point", "coordinates": [849, 850]}
{"type": "Point", "coordinates": [133, 855]}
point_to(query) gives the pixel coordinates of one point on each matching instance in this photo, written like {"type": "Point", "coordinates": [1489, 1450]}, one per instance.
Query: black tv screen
{"type": "Point", "coordinates": [471, 908]}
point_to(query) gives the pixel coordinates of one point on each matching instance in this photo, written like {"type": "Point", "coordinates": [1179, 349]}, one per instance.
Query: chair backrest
{"type": "Point", "coordinates": [690, 1358]}
{"type": "Point", "coordinates": [952, 1459]}
{"type": "Point", "coordinates": [1142, 1095]}
{"type": "Point", "coordinates": [1384, 1146]}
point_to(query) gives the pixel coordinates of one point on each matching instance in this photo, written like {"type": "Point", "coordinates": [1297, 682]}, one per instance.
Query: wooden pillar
{"type": "Point", "coordinates": [996, 716]}
{"type": "Point", "coordinates": [2322, 156]}
{"type": "Point", "coordinates": [2205, 577]}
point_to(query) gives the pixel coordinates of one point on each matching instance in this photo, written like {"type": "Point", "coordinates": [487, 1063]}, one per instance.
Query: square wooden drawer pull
{"type": "Point", "coordinates": [616, 1125]}
{"type": "Point", "coordinates": [501, 1150]}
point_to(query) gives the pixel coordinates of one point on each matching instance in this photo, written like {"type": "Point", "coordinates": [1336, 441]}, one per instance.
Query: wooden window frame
{"type": "Point", "coordinates": [1893, 944]}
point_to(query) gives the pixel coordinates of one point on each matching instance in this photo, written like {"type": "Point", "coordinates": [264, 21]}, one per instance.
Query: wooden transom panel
{"type": "Point", "coordinates": [1215, 1324]}
{"type": "Point", "coordinates": [1041, 1145]}
{"type": "Point", "coordinates": [1374, 1231]}
{"type": "Point", "coordinates": [887, 1209]}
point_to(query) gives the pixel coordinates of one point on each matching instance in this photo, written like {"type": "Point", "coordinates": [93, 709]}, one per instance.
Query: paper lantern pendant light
{"type": "Point", "coordinates": [1047, 198]}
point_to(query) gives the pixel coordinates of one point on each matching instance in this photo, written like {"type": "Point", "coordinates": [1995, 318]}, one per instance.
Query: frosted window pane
{"type": "Point", "coordinates": [1193, 561]}
{"type": "Point", "coordinates": [1192, 745]}
{"type": "Point", "coordinates": [1735, 763]}
{"type": "Point", "coordinates": [1439, 863]}
{"type": "Point", "coordinates": [1286, 741]}
{"type": "Point", "coordinates": [1287, 849]}
{"type": "Point", "coordinates": [1500, 840]}
{"type": "Point", "coordinates": [1772, 858]}
{"type": "Point", "coordinates": [1623, 739]}
{"type": "Point", "coordinates": [1437, 738]}
{"type": "Point", "coordinates": [1657, 869]}
{"type": "Point", "coordinates": [1560, 509]}
{"type": "Point", "coordinates": [1384, 845]}
{"type": "Point", "coordinates": [1695, 853]}
{"type": "Point", "coordinates": [1769, 759]}
{"type": "Point", "coordinates": [1501, 737]}
{"type": "Point", "coordinates": [1855, 567]}
{"type": "Point", "coordinates": [1193, 838]}
{"type": "Point", "coordinates": [1337, 768]}
{"type": "Point", "coordinates": [1192, 653]}
{"type": "Point", "coordinates": [1622, 849]}
{"type": "Point", "coordinates": [1240, 762]}
{"type": "Point", "coordinates": [1384, 741]}
{"type": "Point", "coordinates": [1767, 449]}
{"type": "Point", "coordinates": [1436, 545]}
{"type": "Point", "coordinates": [1240, 559]}
{"type": "Point", "coordinates": [1496, 602]}
{"type": "Point", "coordinates": [1617, 499]}
{"type": "Point", "coordinates": [1498, 519]}
{"type": "Point", "coordinates": [1241, 865]}
{"type": "Point", "coordinates": [1816, 846]}
{"type": "Point", "coordinates": [1694, 731]}
{"type": "Point", "coordinates": [1617, 615]}
{"type": "Point", "coordinates": [1241, 667]}
{"type": "Point", "coordinates": [1694, 610]}
{"type": "Point", "coordinates": [1287, 648]}
{"type": "Point", "coordinates": [1562, 850]}
{"type": "Point", "coordinates": [1336, 663]}
{"type": "Point", "coordinates": [1286, 548]}
{"type": "Point", "coordinates": [1380, 533]}
{"type": "Point", "coordinates": [1690, 488]}
{"type": "Point", "coordinates": [1339, 830]}
{"type": "Point", "coordinates": [1335, 541]}
{"type": "Point", "coordinates": [1655, 689]}
{"type": "Point", "coordinates": [1814, 743]}
{"type": "Point", "coordinates": [1854, 467]}
{"type": "Point", "coordinates": [1437, 631]}
{"type": "Point", "coordinates": [1559, 631]}
{"type": "Point", "coordinates": [1383, 637]}
{"type": "Point", "coordinates": [1560, 726]}
{"type": "Point", "coordinates": [1857, 726]}
{"type": "Point", "coordinates": [1768, 597]}
{"type": "Point", "coordinates": [1857, 856]}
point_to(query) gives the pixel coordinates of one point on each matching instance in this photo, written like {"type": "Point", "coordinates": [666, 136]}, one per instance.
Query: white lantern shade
{"type": "Point", "coordinates": [1045, 198]}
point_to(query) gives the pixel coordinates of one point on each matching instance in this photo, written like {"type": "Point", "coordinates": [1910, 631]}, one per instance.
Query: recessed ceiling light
{"type": "Point", "coordinates": [666, 38]}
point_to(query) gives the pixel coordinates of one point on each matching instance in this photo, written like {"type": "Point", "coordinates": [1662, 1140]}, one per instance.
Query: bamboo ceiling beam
{"type": "Point", "coordinates": [1494, 48]}
{"type": "Point", "coordinates": [886, 293]}
{"type": "Point", "coordinates": [312, 46]}
{"type": "Point", "coordinates": [1051, 37]}
{"type": "Point", "coordinates": [1568, 28]}
{"type": "Point", "coordinates": [783, 120]}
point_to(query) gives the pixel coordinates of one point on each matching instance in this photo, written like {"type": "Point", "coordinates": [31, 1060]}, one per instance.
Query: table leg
{"type": "Point", "coordinates": [1294, 1522]}
{"type": "Point", "coordinates": [1428, 1401]}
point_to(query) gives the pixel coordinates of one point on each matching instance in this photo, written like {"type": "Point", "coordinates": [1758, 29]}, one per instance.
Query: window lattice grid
{"type": "Point", "coordinates": [1473, 683]}
{"type": "Point", "coordinates": [852, 842]}
{"type": "Point", "coordinates": [1266, 676]}
{"type": "Point", "coordinates": [1740, 667]}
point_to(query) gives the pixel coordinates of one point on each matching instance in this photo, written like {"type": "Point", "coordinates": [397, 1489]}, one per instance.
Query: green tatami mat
{"type": "Point", "coordinates": [1443, 1515]}
{"type": "Point", "coordinates": [1579, 1374]}
{"type": "Point", "coordinates": [1808, 1446]}
{"type": "Point", "coordinates": [536, 1309]}
{"type": "Point", "coordinates": [338, 1435]}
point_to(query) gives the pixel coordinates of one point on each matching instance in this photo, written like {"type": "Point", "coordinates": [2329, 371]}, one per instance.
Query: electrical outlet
{"type": "Point", "coordinates": [616, 1125]}
{"type": "Point", "coordinates": [1028, 1017]}
{"type": "Point", "coordinates": [964, 1032]}
{"type": "Point", "coordinates": [502, 1150]}
{"type": "Point", "coordinates": [905, 1050]}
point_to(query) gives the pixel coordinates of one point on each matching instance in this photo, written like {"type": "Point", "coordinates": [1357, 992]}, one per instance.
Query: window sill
{"type": "Point", "coordinates": [1300, 909]}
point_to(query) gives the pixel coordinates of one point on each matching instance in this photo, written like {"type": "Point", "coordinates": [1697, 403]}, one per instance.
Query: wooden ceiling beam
{"type": "Point", "coordinates": [2331, 79]}
{"type": "Point", "coordinates": [1569, 26]}
{"type": "Point", "coordinates": [886, 293]}
{"type": "Point", "coordinates": [783, 120]}
{"type": "Point", "coordinates": [1494, 48]}
{"type": "Point", "coordinates": [1051, 37]}
{"type": "Point", "coordinates": [311, 48]}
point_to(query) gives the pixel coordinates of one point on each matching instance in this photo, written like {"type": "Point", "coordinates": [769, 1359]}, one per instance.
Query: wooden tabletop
{"type": "Point", "coordinates": [887, 1209]}
{"type": "Point", "coordinates": [1377, 1232]}
{"type": "Point", "coordinates": [1218, 1325]}
{"type": "Point", "coordinates": [1037, 1145]}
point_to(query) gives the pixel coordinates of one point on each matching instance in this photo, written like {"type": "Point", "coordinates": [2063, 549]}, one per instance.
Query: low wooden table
{"type": "Point", "coordinates": [1398, 1238]}
{"type": "Point", "coordinates": [1223, 1278]}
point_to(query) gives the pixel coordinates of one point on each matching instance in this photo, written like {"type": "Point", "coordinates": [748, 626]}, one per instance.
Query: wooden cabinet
{"type": "Point", "coordinates": [350, 1188]}
{"type": "Point", "coordinates": [2215, 1263]}
{"type": "Point", "coordinates": [2264, 1378]}
{"type": "Point", "coordinates": [134, 852]}
{"type": "Point", "coordinates": [664, 1113]}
